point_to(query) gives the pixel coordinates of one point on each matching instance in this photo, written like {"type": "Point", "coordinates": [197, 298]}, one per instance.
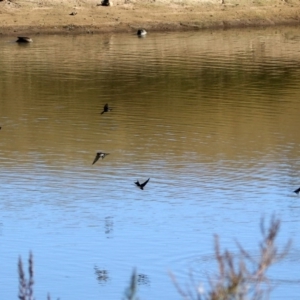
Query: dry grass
{"type": "Point", "coordinates": [26, 286]}
{"type": "Point", "coordinates": [241, 276]}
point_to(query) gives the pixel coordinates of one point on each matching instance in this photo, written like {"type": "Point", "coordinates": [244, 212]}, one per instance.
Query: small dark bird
{"type": "Point", "coordinates": [99, 155]}
{"type": "Point", "coordinates": [106, 109]}
{"type": "Point", "coordinates": [297, 191]}
{"type": "Point", "coordinates": [105, 3]}
{"type": "Point", "coordinates": [24, 39]}
{"type": "Point", "coordinates": [74, 13]}
{"type": "Point", "coordinates": [141, 185]}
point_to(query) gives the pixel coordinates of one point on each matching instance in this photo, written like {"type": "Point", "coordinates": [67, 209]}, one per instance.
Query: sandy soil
{"type": "Point", "coordinates": [54, 16]}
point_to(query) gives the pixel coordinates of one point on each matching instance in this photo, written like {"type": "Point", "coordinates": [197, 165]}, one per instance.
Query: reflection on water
{"type": "Point", "coordinates": [109, 227]}
{"type": "Point", "coordinates": [102, 275]}
{"type": "Point", "coordinates": [210, 117]}
{"type": "Point", "coordinates": [143, 279]}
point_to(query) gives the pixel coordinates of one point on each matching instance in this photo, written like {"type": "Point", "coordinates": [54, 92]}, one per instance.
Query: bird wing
{"type": "Point", "coordinates": [297, 191]}
{"type": "Point", "coordinates": [96, 158]}
{"type": "Point", "coordinates": [105, 108]}
{"type": "Point", "coordinates": [143, 184]}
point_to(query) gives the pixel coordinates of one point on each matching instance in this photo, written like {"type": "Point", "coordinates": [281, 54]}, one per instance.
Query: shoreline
{"type": "Point", "coordinates": [54, 17]}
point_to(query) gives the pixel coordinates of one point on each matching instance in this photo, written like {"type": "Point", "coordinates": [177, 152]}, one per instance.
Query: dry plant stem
{"type": "Point", "coordinates": [26, 287]}
{"type": "Point", "coordinates": [237, 279]}
{"type": "Point", "coordinates": [231, 279]}
{"type": "Point", "coordinates": [269, 253]}
{"type": "Point", "coordinates": [130, 293]}
{"type": "Point", "coordinates": [186, 295]}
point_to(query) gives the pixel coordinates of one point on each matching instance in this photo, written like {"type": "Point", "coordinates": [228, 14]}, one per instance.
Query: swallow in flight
{"type": "Point", "coordinates": [99, 155]}
{"type": "Point", "coordinates": [297, 191]}
{"type": "Point", "coordinates": [106, 109]}
{"type": "Point", "coordinates": [141, 185]}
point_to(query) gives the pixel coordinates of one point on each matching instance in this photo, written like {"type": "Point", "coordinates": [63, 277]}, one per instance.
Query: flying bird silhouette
{"type": "Point", "coordinates": [297, 191]}
{"type": "Point", "coordinates": [141, 185]}
{"type": "Point", "coordinates": [99, 155]}
{"type": "Point", "coordinates": [106, 109]}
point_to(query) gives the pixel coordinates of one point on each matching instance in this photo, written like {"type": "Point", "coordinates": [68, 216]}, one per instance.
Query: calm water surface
{"type": "Point", "coordinates": [211, 117]}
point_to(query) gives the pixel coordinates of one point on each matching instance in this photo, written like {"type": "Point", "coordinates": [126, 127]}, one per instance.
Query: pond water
{"type": "Point", "coordinates": [212, 118]}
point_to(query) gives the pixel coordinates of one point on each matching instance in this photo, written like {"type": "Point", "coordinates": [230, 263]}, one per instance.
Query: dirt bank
{"type": "Point", "coordinates": [20, 17]}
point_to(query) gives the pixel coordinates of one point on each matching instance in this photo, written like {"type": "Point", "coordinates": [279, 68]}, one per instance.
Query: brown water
{"type": "Point", "coordinates": [211, 117]}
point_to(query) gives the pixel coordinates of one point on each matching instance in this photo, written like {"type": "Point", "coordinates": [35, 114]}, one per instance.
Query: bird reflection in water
{"type": "Point", "coordinates": [109, 226]}
{"type": "Point", "coordinates": [102, 275]}
{"type": "Point", "coordinates": [143, 279]}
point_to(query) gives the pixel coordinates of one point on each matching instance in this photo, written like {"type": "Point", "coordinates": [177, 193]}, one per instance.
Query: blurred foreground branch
{"type": "Point", "coordinates": [26, 286]}
{"type": "Point", "coordinates": [241, 276]}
